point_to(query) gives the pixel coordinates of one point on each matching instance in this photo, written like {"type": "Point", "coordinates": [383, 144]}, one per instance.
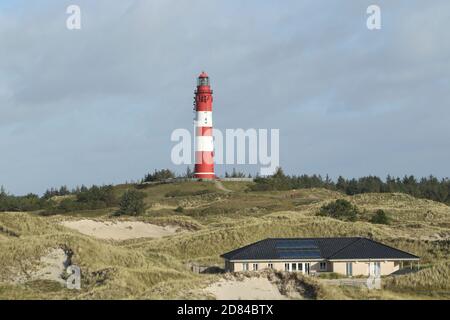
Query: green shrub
{"type": "Point", "coordinates": [179, 209]}
{"type": "Point", "coordinates": [330, 275]}
{"type": "Point", "coordinates": [131, 203]}
{"type": "Point", "coordinates": [159, 175]}
{"type": "Point", "coordinates": [92, 198]}
{"type": "Point", "coordinates": [340, 209]}
{"type": "Point", "coordinates": [380, 217]}
{"type": "Point", "coordinates": [29, 202]}
{"type": "Point", "coordinates": [278, 181]}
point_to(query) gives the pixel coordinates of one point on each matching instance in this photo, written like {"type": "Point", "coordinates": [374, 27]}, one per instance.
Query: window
{"type": "Point", "coordinates": [255, 267]}
{"type": "Point", "coordinates": [245, 266]}
{"type": "Point", "coordinates": [300, 266]}
{"type": "Point", "coordinates": [270, 265]}
{"type": "Point", "coordinates": [294, 267]}
{"type": "Point", "coordinates": [286, 267]}
{"type": "Point", "coordinates": [203, 82]}
{"type": "Point", "coordinates": [323, 266]}
{"type": "Point", "coordinates": [349, 269]}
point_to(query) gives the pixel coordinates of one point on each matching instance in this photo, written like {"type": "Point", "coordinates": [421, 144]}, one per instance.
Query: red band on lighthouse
{"type": "Point", "coordinates": [204, 143]}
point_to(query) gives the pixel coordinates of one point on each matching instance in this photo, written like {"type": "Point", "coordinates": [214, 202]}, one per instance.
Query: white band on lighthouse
{"type": "Point", "coordinates": [204, 118]}
{"type": "Point", "coordinates": [204, 143]}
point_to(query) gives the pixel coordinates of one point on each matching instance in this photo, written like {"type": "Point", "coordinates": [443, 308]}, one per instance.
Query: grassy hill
{"type": "Point", "coordinates": [215, 221]}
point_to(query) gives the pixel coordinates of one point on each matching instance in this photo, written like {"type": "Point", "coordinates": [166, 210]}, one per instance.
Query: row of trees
{"type": "Point", "coordinates": [159, 175]}
{"type": "Point", "coordinates": [166, 174]}
{"type": "Point", "coordinates": [30, 202]}
{"type": "Point", "coordinates": [83, 198]}
{"type": "Point", "coordinates": [427, 187]}
{"type": "Point", "coordinates": [95, 197]}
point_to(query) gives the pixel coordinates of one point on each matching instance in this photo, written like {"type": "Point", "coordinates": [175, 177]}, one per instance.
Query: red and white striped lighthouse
{"type": "Point", "coordinates": [204, 144]}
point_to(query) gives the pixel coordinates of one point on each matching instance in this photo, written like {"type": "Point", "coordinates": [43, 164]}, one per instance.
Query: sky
{"type": "Point", "coordinates": [98, 105]}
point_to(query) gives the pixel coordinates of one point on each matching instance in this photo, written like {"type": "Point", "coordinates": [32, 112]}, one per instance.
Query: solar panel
{"type": "Point", "coordinates": [297, 244]}
{"type": "Point", "coordinates": [299, 254]}
{"type": "Point", "coordinates": [298, 249]}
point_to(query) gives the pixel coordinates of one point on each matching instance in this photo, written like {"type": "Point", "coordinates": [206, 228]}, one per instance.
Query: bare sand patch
{"type": "Point", "coordinates": [120, 230]}
{"type": "Point", "coordinates": [52, 266]}
{"type": "Point", "coordinates": [248, 288]}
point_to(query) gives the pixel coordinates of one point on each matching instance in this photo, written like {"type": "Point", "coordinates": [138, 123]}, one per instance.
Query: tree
{"type": "Point", "coordinates": [380, 217]}
{"type": "Point", "coordinates": [131, 203]}
{"type": "Point", "coordinates": [341, 184]}
{"type": "Point", "coordinates": [159, 175]}
{"type": "Point", "coordinates": [340, 209]}
{"type": "Point", "coordinates": [189, 173]}
{"type": "Point", "coordinates": [3, 192]}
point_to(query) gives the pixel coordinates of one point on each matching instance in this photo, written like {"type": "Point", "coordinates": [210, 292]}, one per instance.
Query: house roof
{"type": "Point", "coordinates": [317, 248]}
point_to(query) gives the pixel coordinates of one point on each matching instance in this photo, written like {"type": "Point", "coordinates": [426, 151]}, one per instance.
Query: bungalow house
{"type": "Point", "coordinates": [347, 256]}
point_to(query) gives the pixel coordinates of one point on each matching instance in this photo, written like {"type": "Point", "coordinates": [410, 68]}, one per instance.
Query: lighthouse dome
{"type": "Point", "coordinates": [203, 79]}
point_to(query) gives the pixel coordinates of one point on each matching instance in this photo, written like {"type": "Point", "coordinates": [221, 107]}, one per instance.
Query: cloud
{"type": "Point", "coordinates": [98, 105]}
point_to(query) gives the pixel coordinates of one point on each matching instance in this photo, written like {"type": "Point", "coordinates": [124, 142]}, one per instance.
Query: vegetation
{"type": "Point", "coordinates": [214, 222]}
{"type": "Point", "coordinates": [131, 203]}
{"type": "Point", "coordinates": [179, 209]}
{"type": "Point", "coordinates": [340, 209]}
{"type": "Point", "coordinates": [30, 202]}
{"type": "Point", "coordinates": [180, 193]}
{"type": "Point", "coordinates": [427, 187]}
{"type": "Point", "coordinates": [380, 217]}
{"type": "Point", "coordinates": [85, 199]}
{"type": "Point", "coordinates": [62, 191]}
{"type": "Point", "coordinates": [426, 280]}
{"type": "Point", "coordinates": [160, 175]}
{"type": "Point", "coordinates": [236, 174]}
{"type": "Point", "coordinates": [330, 275]}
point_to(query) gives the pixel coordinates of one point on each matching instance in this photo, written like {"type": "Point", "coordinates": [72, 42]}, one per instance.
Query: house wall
{"type": "Point", "coordinates": [279, 266]}
{"type": "Point", "coordinates": [361, 268]}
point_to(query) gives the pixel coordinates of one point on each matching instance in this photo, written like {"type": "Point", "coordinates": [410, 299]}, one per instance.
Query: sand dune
{"type": "Point", "coordinates": [120, 230]}
{"type": "Point", "coordinates": [249, 288]}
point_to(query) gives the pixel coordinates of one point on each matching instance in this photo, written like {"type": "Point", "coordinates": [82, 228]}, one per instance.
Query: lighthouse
{"type": "Point", "coordinates": [204, 144]}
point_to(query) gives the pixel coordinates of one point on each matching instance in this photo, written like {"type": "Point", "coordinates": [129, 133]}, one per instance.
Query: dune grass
{"type": "Point", "coordinates": [215, 222]}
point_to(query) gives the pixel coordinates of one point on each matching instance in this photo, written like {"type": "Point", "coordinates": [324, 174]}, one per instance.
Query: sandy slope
{"type": "Point", "coordinates": [249, 288]}
{"type": "Point", "coordinates": [119, 230]}
{"type": "Point", "coordinates": [50, 267]}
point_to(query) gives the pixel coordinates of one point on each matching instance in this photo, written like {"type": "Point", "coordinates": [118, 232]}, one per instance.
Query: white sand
{"type": "Point", "coordinates": [50, 267]}
{"type": "Point", "coordinates": [120, 230]}
{"type": "Point", "coordinates": [249, 288]}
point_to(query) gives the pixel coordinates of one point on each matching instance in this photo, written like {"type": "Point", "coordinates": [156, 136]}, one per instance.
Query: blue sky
{"type": "Point", "coordinates": [98, 105]}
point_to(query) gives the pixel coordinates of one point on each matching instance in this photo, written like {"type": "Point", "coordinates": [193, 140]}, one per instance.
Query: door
{"type": "Point", "coordinates": [306, 268]}
{"type": "Point", "coordinates": [349, 269]}
{"type": "Point", "coordinates": [375, 269]}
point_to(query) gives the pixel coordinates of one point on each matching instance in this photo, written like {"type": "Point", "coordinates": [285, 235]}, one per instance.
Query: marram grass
{"type": "Point", "coordinates": [215, 223]}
